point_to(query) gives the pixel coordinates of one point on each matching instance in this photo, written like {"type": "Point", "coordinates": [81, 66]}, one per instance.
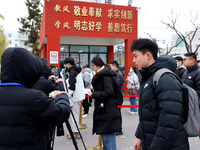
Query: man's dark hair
{"type": "Point", "coordinates": [84, 66]}
{"type": "Point", "coordinates": [179, 58]}
{"type": "Point", "coordinates": [145, 45]}
{"type": "Point", "coordinates": [52, 66]}
{"type": "Point", "coordinates": [114, 62]}
{"type": "Point", "coordinates": [98, 61]}
{"type": "Point", "coordinates": [192, 55]}
{"type": "Point", "coordinates": [69, 60]}
{"type": "Point", "coordinates": [134, 68]}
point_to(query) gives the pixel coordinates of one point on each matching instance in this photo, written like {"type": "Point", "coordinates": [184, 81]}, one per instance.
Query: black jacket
{"type": "Point", "coordinates": [72, 73]}
{"type": "Point", "coordinates": [106, 119]}
{"type": "Point", "coordinates": [25, 113]}
{"type": "Point", "coordinates": [45, 85]}
{"type": "Point", "coordinates": [161, 110]}
{"type": "Point", "coordinates": [180, 71]}
{"type": "Point", "coordinates": [119, 78]}
{"type": "Point", "coordinates": [191, 77]}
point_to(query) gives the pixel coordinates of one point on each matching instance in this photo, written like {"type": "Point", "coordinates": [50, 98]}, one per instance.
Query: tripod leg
{"type": "Point", "coordinates": [78, 129]}
{"type": "Point", "coordinates": [71, 134]}
{"type": "Point", "coordinates": [51, 137]}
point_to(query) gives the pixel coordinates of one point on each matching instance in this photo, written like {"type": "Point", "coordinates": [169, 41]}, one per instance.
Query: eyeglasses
{"type": "Point", "coordinates": [186, 59]}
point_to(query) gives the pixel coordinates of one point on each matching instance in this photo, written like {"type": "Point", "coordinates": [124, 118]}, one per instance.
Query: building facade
{"type": "Point", "coordinates": [180, 50]}
{"type": "Point", "coordinates": [83, 30]}
{"type": "Point", "coordinates": [16, 39]}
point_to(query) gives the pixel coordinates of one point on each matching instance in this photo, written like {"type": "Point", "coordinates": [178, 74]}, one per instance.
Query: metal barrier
{"type": "Point", "coordinates": [80, 125]}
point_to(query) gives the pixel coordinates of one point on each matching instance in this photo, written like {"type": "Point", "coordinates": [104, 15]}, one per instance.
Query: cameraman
{"type": "Point", "coordinates": [47, 86]}
{"type": "Point", "coordinates": [25, 113]}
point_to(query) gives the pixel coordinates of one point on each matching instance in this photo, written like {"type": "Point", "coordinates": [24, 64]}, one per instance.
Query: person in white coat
{"type": "Point", "coordinates": [132, 83]}
{"type": "Point", "coordinates": [75, 90]}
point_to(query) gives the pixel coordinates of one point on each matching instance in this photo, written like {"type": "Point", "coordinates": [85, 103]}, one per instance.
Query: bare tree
{"type": "Point", "coordinates": [186, 37]}
{"type": "Point", "coordinates": [160, 50]}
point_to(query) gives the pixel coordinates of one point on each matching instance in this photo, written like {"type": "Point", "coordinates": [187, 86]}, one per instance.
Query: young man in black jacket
{"type": "Point", "coordinates": [160, 109]}
{"type": "Point", "coordinates": [75, 88]}
{"type": "Point", "coordinates": [180, 67]}
{"type": "Point", "coordinates": [191, 77]}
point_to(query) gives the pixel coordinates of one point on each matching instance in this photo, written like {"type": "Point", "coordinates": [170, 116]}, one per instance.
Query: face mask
{"type": "Point", "coordinates": [131, 71]}
{"type": "Point", "coordinates": [64, 66]}
{"type": "Point", "coordinates": [177, 64]}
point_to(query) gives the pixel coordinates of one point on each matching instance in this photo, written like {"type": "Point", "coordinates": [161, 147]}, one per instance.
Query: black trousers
{"type": "Point", "coordinates": [85, 105]}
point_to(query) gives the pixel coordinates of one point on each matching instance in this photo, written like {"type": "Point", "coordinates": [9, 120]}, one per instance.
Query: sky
{"type": "Point", "coordinates": [150, 15]}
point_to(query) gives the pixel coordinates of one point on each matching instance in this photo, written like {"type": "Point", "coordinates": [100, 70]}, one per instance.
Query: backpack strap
{"type": "Point", "coordinates": [160, 72]}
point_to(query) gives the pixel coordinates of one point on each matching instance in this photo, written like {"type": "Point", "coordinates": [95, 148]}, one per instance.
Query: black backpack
{"type": "Point", "coordinates": [118, 93]}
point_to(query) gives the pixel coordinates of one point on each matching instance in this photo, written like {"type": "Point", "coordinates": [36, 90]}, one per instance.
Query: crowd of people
{"type": "Point", "coordinates": [42, 96]}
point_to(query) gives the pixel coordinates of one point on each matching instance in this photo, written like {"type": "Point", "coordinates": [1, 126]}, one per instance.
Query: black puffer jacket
{"type": "Point", "coordinates": [119, 78]}
{"type": "Point", "coordinates": [161, 110]}
{"type": "Point", "coordinates": [180, 71]}
{"type": "Point", "coordinates": [45, 85]}
{"type": "Point", "coordinates": [25, 113]}
{"type": "Point", "coordinates": [72, 73]}
{"type": "Point", "coordinates": [106, 119]}
{"type": "Point", "coordinates": [191, 77]}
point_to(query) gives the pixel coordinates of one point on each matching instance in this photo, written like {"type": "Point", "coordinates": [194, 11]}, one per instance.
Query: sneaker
{"type": "Point", "coordinates": [76, 135]}
{"type": "Point", "coordinates": [90, 104]}
{"type": "Point", "coordinates": [132, 112]}
{"type": "Point", "coordinates": [85, 115]}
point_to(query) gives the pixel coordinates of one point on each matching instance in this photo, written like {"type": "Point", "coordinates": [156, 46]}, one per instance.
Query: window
{"type": "Point", "coordinates": [64, 48]}
{"type": "Point", "coordinates": [79, 49]}
{"type": "Point", "coordinates": [64, 52]}
{"type": "Point", "coordinates": [83, 54]}
{"type": "Point", "coordinates": [98, 49]}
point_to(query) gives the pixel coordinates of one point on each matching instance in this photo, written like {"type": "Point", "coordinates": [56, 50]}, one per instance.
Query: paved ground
{"type": "Point", "coordinates": [124, 142]}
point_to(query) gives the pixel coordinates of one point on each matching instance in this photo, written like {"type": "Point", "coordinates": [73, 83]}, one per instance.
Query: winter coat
{"type": "Point", "coordinates": [45, 85]}
{"type": "Point", "coordinates": [87, 78]}
{"type": "Point", "coordinates": [191, 77]}
{"type": "Point", "coordinates": [160, 110]}
{"type": "Point", "coordinates": [106, 117]}
{"type": "Point", "coordinates": [24, 112]}
{"type": "Point", "coordinates": [133, 81]}
{"type": "Point", "coordinates": [180, 71]}
{"type": "Point", "coordinates": [75, 84]}
{"type": "Point", "coordinates": [119, 78]}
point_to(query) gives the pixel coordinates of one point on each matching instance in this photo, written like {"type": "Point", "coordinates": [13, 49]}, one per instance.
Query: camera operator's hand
{"type": "Point", "coordinates": [58, 80]}
{"type": "Point", "coordinates": [54, 93]}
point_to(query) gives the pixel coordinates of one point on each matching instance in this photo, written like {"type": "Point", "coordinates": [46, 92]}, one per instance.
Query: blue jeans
{"type": "Point", "coordinates": [109, 141]}
{"type": "Point", "coordinates": [133, 101]}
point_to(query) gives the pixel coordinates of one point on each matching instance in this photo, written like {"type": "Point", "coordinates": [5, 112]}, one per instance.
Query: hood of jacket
{"type": "Point", "coordinates": [46, 71]}
{"type": "Point", "coordinates": [164, 61]}
{"type": "Point", "coordinates": [107, 71]}
{"type": "Point", "coordinates": [86, 70]}
{"type": "Point", "coordinates": [20, 66]}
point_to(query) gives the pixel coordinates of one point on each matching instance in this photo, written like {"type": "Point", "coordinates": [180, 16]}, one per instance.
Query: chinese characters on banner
{"type": "Point", "coordinates": [96, 26]}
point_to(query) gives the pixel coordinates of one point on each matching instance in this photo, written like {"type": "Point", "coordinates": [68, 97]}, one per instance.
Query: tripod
{"type": "Point", "coordinates": [52, 136]}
